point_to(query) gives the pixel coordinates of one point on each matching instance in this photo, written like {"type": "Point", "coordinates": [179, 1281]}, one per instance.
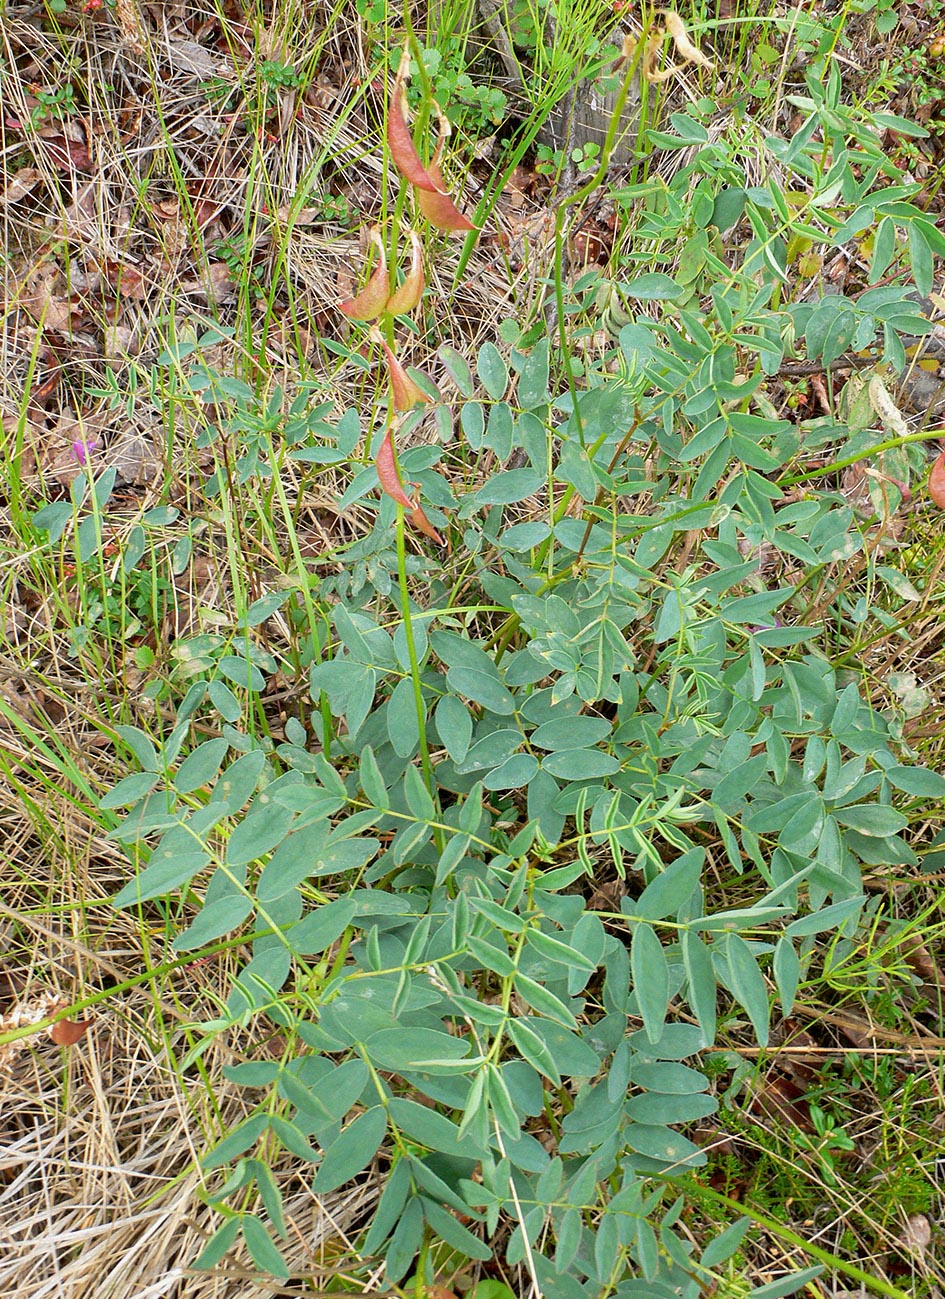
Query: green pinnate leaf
{"type": "Point", "coordinates": [581, 764]}
{"type": "Point", "coordinates": [428, 1049]}
{"type": "Point", "coordinates": [722, 1247]}
{"type": "Point", "coordinates": [671, 889]}
{"type": "Point", "coordinates": [293, 861]}
{"type": "Point", "coordinates": [483, 688]}
{"type": "Point", "coordinates": [390, 1206]}
{"type": "Point", "coordinates": [492, 371]}
{"type": "Point", "coordinates": [237, 1142]}
{"type": "Point", "coordinates": [873, 819]}
{"type": "Point", "coordinates": [262, 1251]}
{"type": "Point", "coordinates": [532, 391]}
{"type": "Point", "coordinates": [418, 796]}
{"type": "Point", "coordinates": [740, 971]}
{"type": "Point", "coordinates": [371, 780]}
{"type": "Point", "coordinates": [428, 1126]}
{"type": "Point", "coordinates": [664, 1076]}
{"type": "Point", "coordinates": [555, 950]}
{"type": "Point", "coordinates": [570, 733]}
{"type": "Point", "coordinates": [545, 1002]}
{"type": "Point", "coordinates": [515, 773]}
{"type": "Point", "coordinates": [293, 1139]}
{"type": "Point", "coordinates": [201, 766]}
{"type": "Point", "coordinates": [534, 1050]}
{"type": "Point", "coordinates": [270, 1195]}
{"type": "Point", "coordinates": [787, 973]}
{"type": "Point", "coordinates": [352, 1151]}
{"type": "Point", "coordinates": [403, 727]}
{"type": "Point", "coordinates": [454, 1233]}
{"type": "Point", "coordinates": [215, 918]}
{"type": "Point", "coordinates": [405, 1241]}
{"type": "Point", "coordinates": [264, 826]}
{"type": "Point", "coordinates": [317, 931]}
{"type": "Point", "coordinates": [241, 672]}
{"type": "Point", "coordinates": [454, 726]}
{"type": "Point", "coordinates": [650, 979]}
{"type": "Point", "coordinates": [217, 1246]}
{"type": "Point", "coordinates": [166, 871]}
{"type": "Point", "coordinates": [700, 976]}
{"type": "Point", "coordinates": [665, 1145]}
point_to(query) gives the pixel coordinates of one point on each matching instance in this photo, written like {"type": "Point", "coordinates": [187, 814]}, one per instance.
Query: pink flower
{"type": "Point", "coordinates": [83, 449]}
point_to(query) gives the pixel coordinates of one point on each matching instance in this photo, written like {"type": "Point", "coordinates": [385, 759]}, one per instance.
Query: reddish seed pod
{"type": "Point", "coordinates": [440, 210]}
{"type": "Point", "coordinates": [423, 524]}
{"type": "Point", "coordinates": [372, 300]}
{"type": "Point", "coordinates": [937, 481]}
{"type": "Point", "coordinates": [66, 1032]}
{"type": "Point", "coordinates": [387, 474]}
{"type": "Point", "coordinates": [389, 479]}
{"type": "Point", "coordinates": [403, 151]}
{"type": "Point", "coordinates": [405, 393]}
{"type": "Point", "coordinates": [406, 297]}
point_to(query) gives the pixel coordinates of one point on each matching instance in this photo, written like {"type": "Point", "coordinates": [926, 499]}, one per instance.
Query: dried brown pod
{"type": "Point", "coordinates": [66, 1032]}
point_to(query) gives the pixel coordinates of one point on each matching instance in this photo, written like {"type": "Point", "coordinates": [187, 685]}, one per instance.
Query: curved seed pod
{"type": "Point", "coordinates": [406, 297]}
{"type": "Point", "coordinates": [403, 151]}
{"type": "Point", "coordinates": [650, 57]}
{"type": "Point", "coordinates": [389, 479]}
{"type": "Point", "coordinates": [440, 210]}
{"type": "Point", "coordinates": [387, 473]}
{"type": "Point", "coordinates": [688, 52]}
{"type": "Point", "coordinates": [423, 524]}
{"type": "Point", "coordinates": [937, 481]}
{"type": "Point", "coordinates": [372, 299]}
{"type": "Point", "coordinates": [404, 392]}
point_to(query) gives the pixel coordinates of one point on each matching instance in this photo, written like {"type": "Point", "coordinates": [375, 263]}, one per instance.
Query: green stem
{"type": "Point", "coordinates": [420, 1280]}
{"type": "Point", "coordinates": [560, 217]}
{"type": "Point", "coordinates": [116, 989]}
{"type": "Point", "coordinates": [579, 196]}
{"type": "Point", "coordinates": [869, 453]}
{"type": "Point", "coordinates": [310, 610]}
{"type": "Point", "coordinates": [778, 1229]}
{"type": "Point", "coordinates": [415, 669]}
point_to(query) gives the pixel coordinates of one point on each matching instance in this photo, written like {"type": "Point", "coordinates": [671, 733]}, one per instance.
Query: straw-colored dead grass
{"type": "Point", "coordinates": [115, 211]}
{"type": "Point", "coordinates": [99, 1190]}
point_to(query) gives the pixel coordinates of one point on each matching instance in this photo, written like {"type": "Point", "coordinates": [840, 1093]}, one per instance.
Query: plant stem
{"type": "Point", "coordinates": [577, 197]}
{"type": "Point", "coordinates": [778, 1229]}
{"type": "Point", "coordinates": [415, 670]}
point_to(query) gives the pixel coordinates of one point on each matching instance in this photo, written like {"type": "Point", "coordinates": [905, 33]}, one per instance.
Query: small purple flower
{"type": "Point", "coordinates": [83, 449]}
